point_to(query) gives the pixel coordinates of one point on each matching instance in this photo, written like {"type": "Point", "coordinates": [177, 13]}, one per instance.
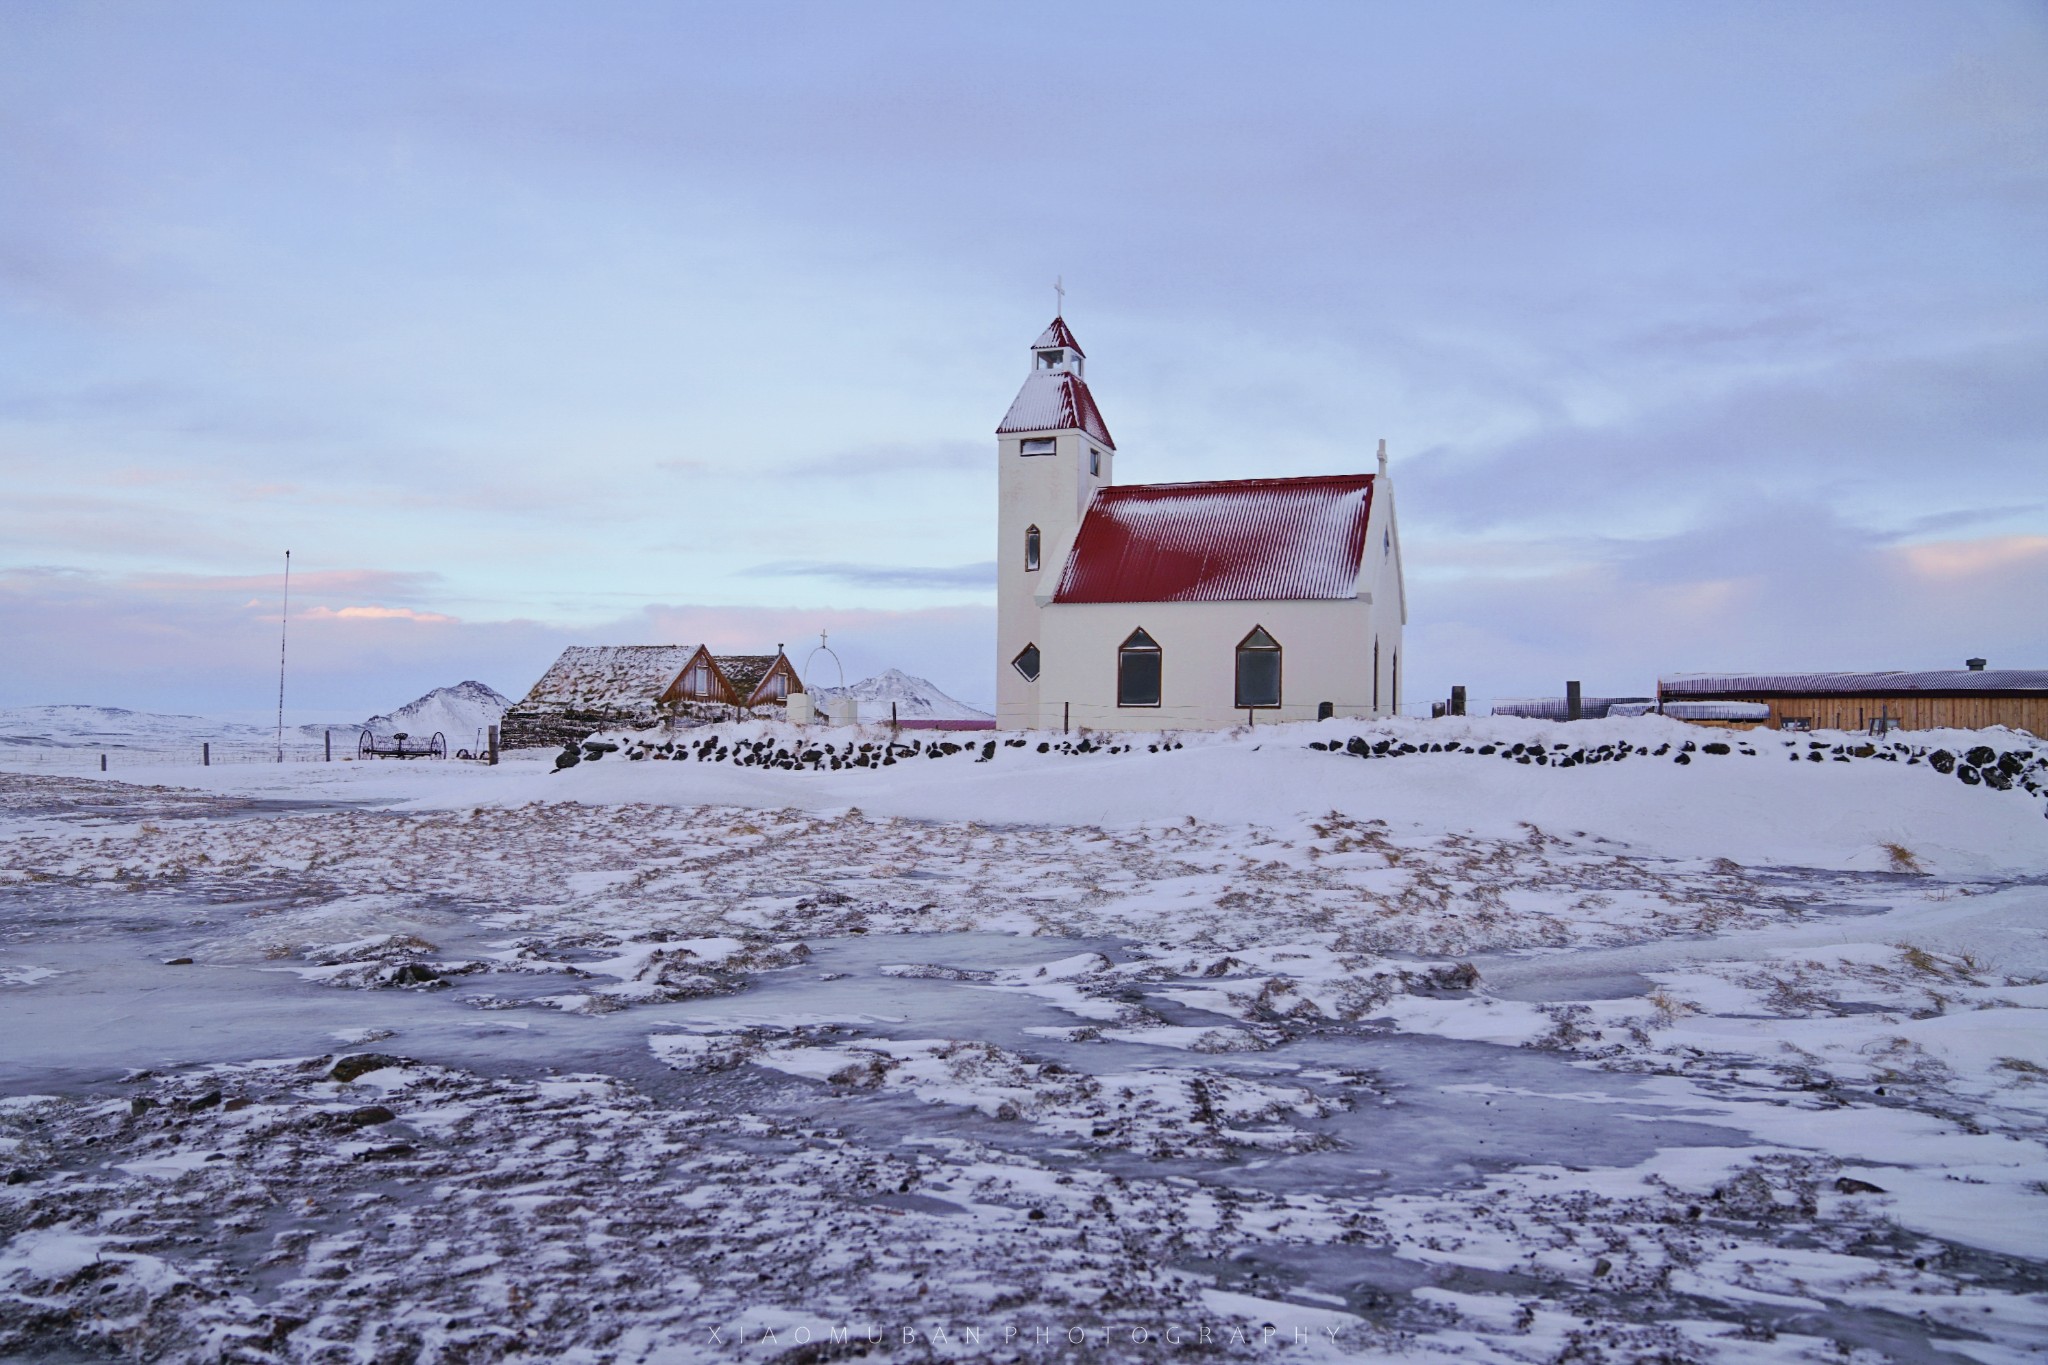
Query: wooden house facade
{"type": "Point", "coordinates": [1971, 698]}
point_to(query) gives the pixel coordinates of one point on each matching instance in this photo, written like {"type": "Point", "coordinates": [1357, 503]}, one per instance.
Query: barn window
{"type": "Point", "coordinates": [1027, 663]}
{"type": "Point", "coordinates": [1031, 549]}
{"type": "Point", "coordinates": [1137, 671]}
{"type": "Point", "coordinates": [1258, 669]}
{"type": "Point", "coordinates": [1796, 723]}
{"type": "Point", "coordinates": [1037, 445]}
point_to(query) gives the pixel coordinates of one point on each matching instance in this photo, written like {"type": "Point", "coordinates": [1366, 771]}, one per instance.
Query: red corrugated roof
{"type": "Point", "coordinates": [1057, 334]}
{"type": "Point", "coordinates": [1244, 540]}
{"type": "Point", "coordinates": [1053, 400]}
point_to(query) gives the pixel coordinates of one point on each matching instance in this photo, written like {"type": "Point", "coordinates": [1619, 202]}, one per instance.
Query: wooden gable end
{"type": "Point", "coordinates": [701, 680]}
{"type": "Point", "coordinates": [776, 684]}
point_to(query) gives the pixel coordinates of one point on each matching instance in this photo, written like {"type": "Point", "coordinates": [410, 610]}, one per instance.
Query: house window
{"type": "Point", "coordinates": [777, 688]}
{"type": "Point", "coordinates": [1137, 671]}
{"type": "Point", "coordinates": [1031, 549]}
{"type": "Point", "coordinates": [1027, 663]}
{"type": "Point", "coordinates": [1094, 462]}
{"type": "Point", "coordinates": [1258, 669]}
{"type": "Point", "coordinates": [1036, 445]}
{"type": "Point", "coordinates": [697, 684]}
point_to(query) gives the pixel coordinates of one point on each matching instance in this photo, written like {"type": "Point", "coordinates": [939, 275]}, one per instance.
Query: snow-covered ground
{"type": "Point", "coordinates": [1217, 1044]}
{"type": "Point", "coordinates": [72, 738]}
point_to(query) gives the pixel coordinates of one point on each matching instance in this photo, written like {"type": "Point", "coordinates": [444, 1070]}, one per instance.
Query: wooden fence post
{"type": "Point", "coordinates": [1572, 709]}
{"type": "Point", "coordinates": [494, 746]}
{"type": "Point", "coordinates": [206, 755]}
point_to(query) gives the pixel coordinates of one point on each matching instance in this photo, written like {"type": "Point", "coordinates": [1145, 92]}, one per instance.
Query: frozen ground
{"type": "Point", "coordinates": [1236, 1049]}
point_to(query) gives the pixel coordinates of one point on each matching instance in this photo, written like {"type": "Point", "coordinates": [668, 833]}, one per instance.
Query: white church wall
{"type": "Point", "coordinates": [1051, 492]}
{"type": "Point", "coordinates": [1326, 656]}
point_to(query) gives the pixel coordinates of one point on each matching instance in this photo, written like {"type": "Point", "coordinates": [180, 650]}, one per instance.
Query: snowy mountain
{"type": "Point", "coordinates": [915, 698]}
{"type": "Point", "coordinates": [461, 713]}
{"type": "Point", "coordinates": [117, 728]}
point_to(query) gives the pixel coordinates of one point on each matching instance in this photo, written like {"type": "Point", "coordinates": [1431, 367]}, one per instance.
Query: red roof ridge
{"type": "Point", "coordinates": [1278, 481]}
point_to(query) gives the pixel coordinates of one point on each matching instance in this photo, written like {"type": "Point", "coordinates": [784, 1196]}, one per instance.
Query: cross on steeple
{"type": "Point", "coordinates": [1060, 288]}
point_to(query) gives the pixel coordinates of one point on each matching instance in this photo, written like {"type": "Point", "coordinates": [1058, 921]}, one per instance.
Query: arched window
{"type": "Point", "coordinates": [1138, 671]}
{"type": "Point", "coordinates": [1031, 549]}
{"type": "Point", "coordinates": [1258, 669]}
{"type": "Point", "coordinates": [1026, 663]}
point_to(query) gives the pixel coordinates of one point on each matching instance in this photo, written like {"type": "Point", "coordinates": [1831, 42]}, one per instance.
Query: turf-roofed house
{"type": "Point", "coordinates": [1181, 605]}
{"type": "Point", "coordinates": [598, 687]}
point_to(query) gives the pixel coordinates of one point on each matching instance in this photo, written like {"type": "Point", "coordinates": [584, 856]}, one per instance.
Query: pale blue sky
{"type": "Point", "coordinates": [1703, 336]}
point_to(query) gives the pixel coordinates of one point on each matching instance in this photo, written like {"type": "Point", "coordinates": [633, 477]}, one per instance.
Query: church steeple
{"type": "Point", "coordinates": [1055, 397]}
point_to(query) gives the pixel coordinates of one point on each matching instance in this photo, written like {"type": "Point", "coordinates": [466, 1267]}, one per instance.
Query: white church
{"type": "Point", "coordinates": [1181, 605]}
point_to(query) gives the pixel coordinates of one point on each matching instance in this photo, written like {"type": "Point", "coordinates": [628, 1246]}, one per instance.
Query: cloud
{"type": "Point", "coordinates": [377, 614]}
{"type": "Point", "coordinates": [981, 576]}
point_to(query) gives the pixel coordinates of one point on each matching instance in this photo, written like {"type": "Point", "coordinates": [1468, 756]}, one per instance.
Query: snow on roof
{"type": "Point", "coordinates": [1057, 334]}
{"type": "Point", "coordinates": [745, 671]}
{"type": "Point", "coordinates": [1717, 710]}
{"type": "Point", "coordinates": [1558, 708]}
{"type": "Point", "coordinates": [1053, 400]}
{"type": "Point", "coordinates": [1855, 684]}
{"type": "Point", "coordinates": [611, 675]}
{"type": "Point", "coordinates": [1243, 540]}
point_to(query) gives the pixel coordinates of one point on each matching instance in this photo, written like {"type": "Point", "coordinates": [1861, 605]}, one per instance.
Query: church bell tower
{"type": "Point", "coordinates": [1053, 451]}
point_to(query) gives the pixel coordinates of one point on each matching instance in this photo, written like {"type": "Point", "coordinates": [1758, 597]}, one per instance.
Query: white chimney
{"type": "Point", "coordinates": [1383, 457]}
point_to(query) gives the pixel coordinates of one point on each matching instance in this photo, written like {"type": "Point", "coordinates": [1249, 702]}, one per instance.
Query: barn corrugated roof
{"type": "Point", "coordinates": [1854, 684]}
{"type": "Point", "coordinates": [589, 676]}
{"type": "Point", "coordinates": [1243, 540]}
{"type": "Point", "coordinates": [1057, 334]}
{"type": "Point", "coordinates": [1053, 400]}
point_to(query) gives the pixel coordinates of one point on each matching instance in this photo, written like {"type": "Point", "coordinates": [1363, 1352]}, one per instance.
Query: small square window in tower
{"type": "Point", "coordinates": [1037, 445]}
{"type": "Point", "coordinates": [1026, 663]}
{"type": "Point", "coordinates": [1031, 549]}
{"type": "Point", "coordinates": [1138, 670]}
{"type": "Point", "coordinates": [1258, 669]}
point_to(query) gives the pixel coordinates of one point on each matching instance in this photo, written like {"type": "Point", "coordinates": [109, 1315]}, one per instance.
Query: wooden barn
{"type": "Point", "coordinates": [1969, 698]}
{"type": "Point", "coordinates": [599, 687]}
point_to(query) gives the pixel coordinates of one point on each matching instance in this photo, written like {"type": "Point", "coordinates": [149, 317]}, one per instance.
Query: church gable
{"type": "Point", "coordinates": [1244, 540]}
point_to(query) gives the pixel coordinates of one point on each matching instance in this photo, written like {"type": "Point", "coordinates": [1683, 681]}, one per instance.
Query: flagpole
{"type": "Point", "coordinates": [283, 620]}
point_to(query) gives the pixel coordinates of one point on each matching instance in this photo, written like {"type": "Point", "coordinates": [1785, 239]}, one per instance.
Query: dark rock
{"type": "Point", "coordinates": [141, 1105]}
{"type": "Point", "coordinates": [366, 1117]}
{"type": "Point", "coordinates": [1715, 748]}
{"type": "Point", "coordinates": [1998, 779]}
{"type": "Point", "coordinates": [1983, 756]}
{"type": "Point", "coordinates": [177, 962]}
{"type": "Point", "coordinates": [1683, 758]}
{"type": "Point", "coordinates": [362, 1064]}
{"type": "Point", "coordinates": [206, 1101]}
{"type": "Point", "coordinates": [1942, 761]}
{"type": "Point", "coordinates": [1970, 776]}
{"type": "Point", "coordinates": [1851, 1185]}
{"type": "Point", "coordinates": [1357, 746]}
{"type": "Point", "coordinates": [2012, 764]}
